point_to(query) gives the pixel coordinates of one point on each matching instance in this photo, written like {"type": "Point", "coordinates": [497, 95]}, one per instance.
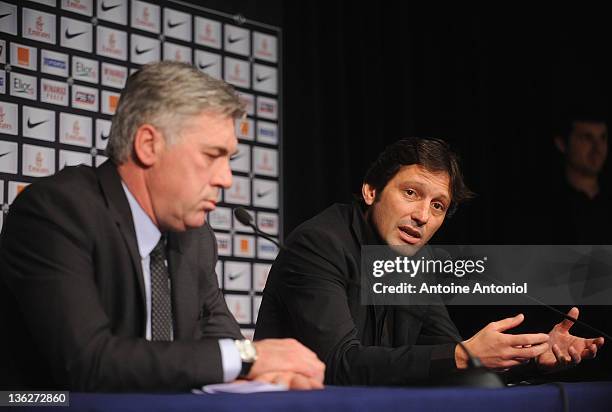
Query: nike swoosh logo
{"type": "Point", "coordinates": [4, 15]}
{"type": "Point", "coordinates": [205, 66]}
{"type": "Point", "coordinates": [73, 35]}
{"type": "Point", "coordinates": [4, 154]}
{"type": "Point", "coordinates": [104, 7]}
{"type": "Point", "coordinates": [33, 125]}
{"type": "Point", "coordinates": [142, 51]}
{"type": "Point", "coordinates": [232, 40]}
{"type": "Point", "coordinates": [262, 194]}
{"type": "Point", "coordinates": [173, 25]}
{"type": "Point", "coordinates": [103, 136]}
{"type": "Point", "coordinates": [262, 78]}
{"type": "Point", "coordinates": [235, 276]}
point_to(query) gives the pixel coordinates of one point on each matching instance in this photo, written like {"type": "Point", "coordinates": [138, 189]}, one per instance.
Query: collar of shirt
{"type": "Point", "coordinates": [147, 234]}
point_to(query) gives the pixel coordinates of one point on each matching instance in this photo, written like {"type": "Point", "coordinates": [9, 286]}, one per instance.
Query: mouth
{"type": "Point", "coordinates": [212, 203]}
{"type": "Point", "coordinates": [409, 234]}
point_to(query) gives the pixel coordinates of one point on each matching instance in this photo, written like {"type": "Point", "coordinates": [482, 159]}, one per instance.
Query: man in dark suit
{"type": "Point", "coordinates": [108, 280]}
{"type": "Point", "coordinates": [313, 289]}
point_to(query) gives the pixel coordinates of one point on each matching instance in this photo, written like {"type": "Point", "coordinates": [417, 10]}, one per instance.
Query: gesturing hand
{"type": "Point", "coordinates": [567, 349]}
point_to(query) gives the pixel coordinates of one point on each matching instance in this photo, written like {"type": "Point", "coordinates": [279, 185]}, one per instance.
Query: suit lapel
{"type": "Point", "coordinates": [110, 184]}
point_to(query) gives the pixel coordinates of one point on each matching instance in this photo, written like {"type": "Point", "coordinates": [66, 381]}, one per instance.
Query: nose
{"type": "Point", "coordinates": [420, 212]}
{"type": "Point", "coordinates": [223, 176]}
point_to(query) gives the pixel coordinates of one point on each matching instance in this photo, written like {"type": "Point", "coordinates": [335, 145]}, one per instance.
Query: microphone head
{"type": "Point", "coordinates": [243, 216]}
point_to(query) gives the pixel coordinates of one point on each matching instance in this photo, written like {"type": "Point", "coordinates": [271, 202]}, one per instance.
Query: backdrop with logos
{"type": "Point", "coordinates": [63, 64]}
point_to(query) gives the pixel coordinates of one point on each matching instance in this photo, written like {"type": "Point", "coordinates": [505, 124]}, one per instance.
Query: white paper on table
{"type": "Point", "coordinates": [243, 387]}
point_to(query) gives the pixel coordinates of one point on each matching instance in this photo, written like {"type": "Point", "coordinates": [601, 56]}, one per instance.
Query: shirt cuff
{"type": "Point", "coordinates": [230, 359]}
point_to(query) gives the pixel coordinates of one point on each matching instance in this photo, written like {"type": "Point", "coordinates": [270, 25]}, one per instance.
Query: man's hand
{"type": "Point", "coordinates": [566, 349]}
{"type": "Point", "coordinates": [287, 359]}
{"type": "Point", "coordinates": [291, 380]}
{"type": "Point", "coordinates": [498, 350]}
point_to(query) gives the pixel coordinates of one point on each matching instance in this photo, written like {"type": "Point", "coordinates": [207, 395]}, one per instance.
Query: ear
{"type": "Point", "coordinates": [369, 194]}
{"type": "Point", "coordinates": [560, 144]}
{"type": "Point", "coordinates": [148, 144]}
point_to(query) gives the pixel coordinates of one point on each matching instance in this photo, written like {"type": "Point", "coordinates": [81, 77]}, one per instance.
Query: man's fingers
{"type": "Point", "coordinates": [528, 352]}
{"type": "Point", "coordinates": [527, 339]}
{"type": "Point", "coordinates": [574, 355]}
{"type": "Point", "coordinates": [562, 359]}
{"type": "Point", "coordinates": [508, 323]}
{"type": "Point", "coordinates": [566, 324]}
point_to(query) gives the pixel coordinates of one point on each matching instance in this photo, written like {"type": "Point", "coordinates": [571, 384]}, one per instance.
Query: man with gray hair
{"type": "Point", "coordinates": [108, 274]}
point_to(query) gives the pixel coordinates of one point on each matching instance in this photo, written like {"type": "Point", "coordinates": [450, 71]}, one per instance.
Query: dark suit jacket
{"type": "Point", "coordinates": [312, 295]}
{"type": "Point", "coordinates": [72, 295]}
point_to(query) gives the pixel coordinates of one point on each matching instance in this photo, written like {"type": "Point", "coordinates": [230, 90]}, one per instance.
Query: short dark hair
{"type": "Point", "coordinates": [566, 121]}
{"type": "Point", "coordinates": [434, 155]}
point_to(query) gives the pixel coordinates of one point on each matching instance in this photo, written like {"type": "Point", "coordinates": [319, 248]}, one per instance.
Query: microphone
{"type": "Point", "coordinates": [246, 219]}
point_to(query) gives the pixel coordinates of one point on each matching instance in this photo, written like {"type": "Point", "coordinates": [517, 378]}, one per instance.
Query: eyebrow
{"type": "Point", "coordinates": [420, 185]}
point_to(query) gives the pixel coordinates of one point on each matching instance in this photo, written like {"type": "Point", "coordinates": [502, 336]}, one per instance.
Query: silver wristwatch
{"type": "Point", "coordinates": [248, 355]}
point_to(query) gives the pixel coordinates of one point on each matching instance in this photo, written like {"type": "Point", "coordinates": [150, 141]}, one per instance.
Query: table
{"type": "Point", "coordinates": [591, 396]}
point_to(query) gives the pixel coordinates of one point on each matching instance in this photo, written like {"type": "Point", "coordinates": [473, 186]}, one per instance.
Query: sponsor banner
{"type": "Point", "coordinates": [267, 108]}
{"type": "Point", "coordinates": [37, 25]}
{"type": "Point", "coordinates": [85, 98]}
{"type": "Point", "coordinates": [2, 81]}
{"type": "Point", "coordinates": [177, 52]}
{"type": "Point", "coordinates": [145, 16]}
{"type": "Point", "coordinates": [240, 307]}
{"type": "Point", "coordinates": [244, 246]}
{"type": "Point", "coordinates": [85, 69]}
{"type": "Point", "coordinates": [23, 56]}
{"type": "Point", "coordinates": [76, 34]}
{"type": "Point", "coordinates": [249, 102]}
{"type": "Point", "coordinates": [114, 11]}
{"type": "Point", "coordinates": [38, 123]}
{"type": "Point", "coordinates": [245, 128]}
{"type": "Point", "coordinates": [110, 100]}
{"type": "Point", "coordinates": [23, 86]}
{"type": "Point", "coordinates": [237, 72]}
{"type": "Point", "coordinates": [37, 161]}
{"type": "Point", "coordinates": [8, 118]}
{"type": "Point", "coordinates": [113, 75]}
{"type": "Point", "coordinates": [244, 228]}
{"type": "Point", "coordinates": [207, 32]}
{"type": "Point", "coordinates": [265, 161]}
{"type": "Point", "coordinates": [241, 161]}
{"type": "Point", "coordinates": [8, 157]}
{"type": "Point", "coordinates": [1, 196]}
{"type": "Point", "coordinates": [264, 47]}
{"type": "Point", "coordinates": [54, 63]}
{"type": "Point", "coordinates": [2, 50]}
{"type": "Point", "coordinates": [224, 244]}
{"type": "Point", "coordinates": [256, 306]}
{"type": "Point", "coordinates": [237, 276]}
{"type": "Point", "coordinates": [14, 188]}
{"type": "Point", "coordinates": [75, 129]}
{"type": "Point", "coordinates": [266, 249]}
{"type": "Point", "coordinates": [268, 222]}
{"type": "Point", "coordinates": [50, 3]}
{"type": "Point", "coordinates": [220, 218]}
{"type": "Point", "coordinates": [102, 133]}
{"type": "Point", "coordinates": [265, 193]}
{"type": "Point", "coordinates": [177, 24]}
{"type": "Point", "coordinates": [267, 132]}
{"type": "Point", "coordinates": [68, 158]}
{"type": "Point", "coordinates": [260, 275]}
{"type": "Point", "coordinates": [8, 18]}
{"type": "Point", "coordinates": [100, 159]}
{"type": "Point", "coordinates": [265, 79]}
{"type": "Point", "coordinates": [111, 43]}
{"type": "Point", "coordinates": [144, 49]}
{"type": "Point", "coordinates": [240, 191]}
{"type": "Point", "coordinates": [237, 40]}
{"type": "Point", "coordinates": [209, 63]}
{"type": "Point", "coordinates": [54, 92]}
{"type": "Point", "coordinates": [84, 7]}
